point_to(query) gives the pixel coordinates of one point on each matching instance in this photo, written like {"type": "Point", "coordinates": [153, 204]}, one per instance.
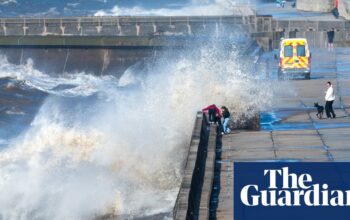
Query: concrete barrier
{"type": "Point", "coordinates": [204, 205]}
{"type": "Point", "coordinates": [156, 31]}
{"type": "Point", "coordinates": [97, 61]}
{"type": "Point", "coordinates": [194, 195]}
{"type": "Point", "coordinates": [93, 41]}
{"type": "Point", "coordinates": [163, 31]}
{"type": "Point", "coordinates": [118, 25]}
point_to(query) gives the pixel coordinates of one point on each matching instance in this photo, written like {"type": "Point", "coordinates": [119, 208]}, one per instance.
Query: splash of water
{"type": "Point", "coordinates": [121, 152]}
{"type": "Point", "coordinates": [195, 8]}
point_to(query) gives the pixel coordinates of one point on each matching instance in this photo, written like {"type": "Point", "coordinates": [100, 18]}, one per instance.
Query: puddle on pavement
{"type": "Point", "coordinates": [274, 121]}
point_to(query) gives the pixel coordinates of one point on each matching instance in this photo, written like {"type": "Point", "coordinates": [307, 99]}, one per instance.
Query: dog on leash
{"type": "Point", "coordinates": [320, 110]}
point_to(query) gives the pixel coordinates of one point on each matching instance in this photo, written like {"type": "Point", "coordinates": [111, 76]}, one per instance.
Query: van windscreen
{"type": "Point", "coordinates": [301, 51]}
{"type": "Point", "coordinates": [288, 51]}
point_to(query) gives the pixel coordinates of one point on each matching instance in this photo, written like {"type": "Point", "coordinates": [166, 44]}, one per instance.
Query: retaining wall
{"type": "Point", "coordinates": [145, 31]}
{"type": "Point", "coordinates": [97, 61]}
{"type": "Point", "coordinates": [119, 26]}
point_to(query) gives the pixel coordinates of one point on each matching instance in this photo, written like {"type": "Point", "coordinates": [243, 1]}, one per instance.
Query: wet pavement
{"type": "Point", "coordinates": [291, 131]}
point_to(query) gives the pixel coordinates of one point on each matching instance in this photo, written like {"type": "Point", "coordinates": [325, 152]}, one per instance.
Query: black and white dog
{"type": "Point", "coordinates": [319, 110]}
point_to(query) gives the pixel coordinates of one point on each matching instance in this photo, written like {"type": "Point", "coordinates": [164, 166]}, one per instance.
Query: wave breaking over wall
{"type": "Point", "coordinates": [102, 145]}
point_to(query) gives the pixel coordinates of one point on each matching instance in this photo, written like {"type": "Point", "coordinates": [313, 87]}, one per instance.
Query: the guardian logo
{"type": "Point", "coordinates": [289, 189]}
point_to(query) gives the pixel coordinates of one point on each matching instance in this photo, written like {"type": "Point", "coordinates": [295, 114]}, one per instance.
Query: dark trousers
{"type": "Point", "coordinates": [220, 129]}
{"type": "Point", "coordinates": [211, 113]}
{"type": "Point", "coordinates": [329, 109]}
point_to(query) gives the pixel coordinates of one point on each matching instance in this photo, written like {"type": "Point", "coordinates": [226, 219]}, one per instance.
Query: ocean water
{"type": "Point", "coordinates": [57, 8]}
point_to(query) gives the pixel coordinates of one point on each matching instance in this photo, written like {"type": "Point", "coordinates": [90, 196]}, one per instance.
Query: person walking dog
{"type": "Point", "coordinates": [330, 97]}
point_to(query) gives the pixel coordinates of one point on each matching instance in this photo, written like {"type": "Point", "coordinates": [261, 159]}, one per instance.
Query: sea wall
{"type": "Point", "coordinates": [109, 45]}
{"type": "Point", "coordinates": [119, 26]}
{"type": "Point", "coordinates": [97, 61]}
{"type": "Point", "coordinates": [194, 195]}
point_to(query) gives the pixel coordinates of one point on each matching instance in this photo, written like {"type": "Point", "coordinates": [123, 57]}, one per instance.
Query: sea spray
{"type": "Point", "coordinates": [194, 8]}
{"type": "Point", "coordinates": [112, 150]}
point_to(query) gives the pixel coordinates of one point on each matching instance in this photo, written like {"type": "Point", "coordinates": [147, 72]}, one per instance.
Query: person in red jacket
{"type": "Point", "coordinates": [214, 114]}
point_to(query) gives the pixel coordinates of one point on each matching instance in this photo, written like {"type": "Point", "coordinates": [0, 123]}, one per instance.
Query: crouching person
{"type": "Point", "coordinates": [213, 113]}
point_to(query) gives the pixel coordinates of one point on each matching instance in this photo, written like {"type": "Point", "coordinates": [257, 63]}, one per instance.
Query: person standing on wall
{"type": "Point", "coordinates": [330, 37]}
{"type": "Point", "coordinates": [330, 97]}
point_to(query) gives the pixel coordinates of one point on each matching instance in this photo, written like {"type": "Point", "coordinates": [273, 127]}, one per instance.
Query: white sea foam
{"type": "Point", "coordinates": [195, 8]}
{"type": "Point", "coordinates": [8, 2]}
{"type": "Point", "coordinates": [123, 153]}
{"type": "Point", "coordinates": [79, 84]}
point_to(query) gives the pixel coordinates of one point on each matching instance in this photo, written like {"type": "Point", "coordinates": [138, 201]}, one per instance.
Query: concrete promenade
{"type": "Point", "coordinates": [297, 135]}
{"type": "Point", "coordinates": [291, 13]}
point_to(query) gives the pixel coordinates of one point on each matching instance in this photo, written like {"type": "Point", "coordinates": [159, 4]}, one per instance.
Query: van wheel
{"type": "Point", "coordinates": [308, 75]}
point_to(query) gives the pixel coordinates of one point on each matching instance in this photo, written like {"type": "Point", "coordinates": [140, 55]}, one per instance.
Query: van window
{"type": "Point", "coordinates": [301, 51]}
{"type": "Point", "coordinates": [288, 51]}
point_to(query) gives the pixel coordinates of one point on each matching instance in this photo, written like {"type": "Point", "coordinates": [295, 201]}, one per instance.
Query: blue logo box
{"type": "Point", "coordinates": [291, 191]}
